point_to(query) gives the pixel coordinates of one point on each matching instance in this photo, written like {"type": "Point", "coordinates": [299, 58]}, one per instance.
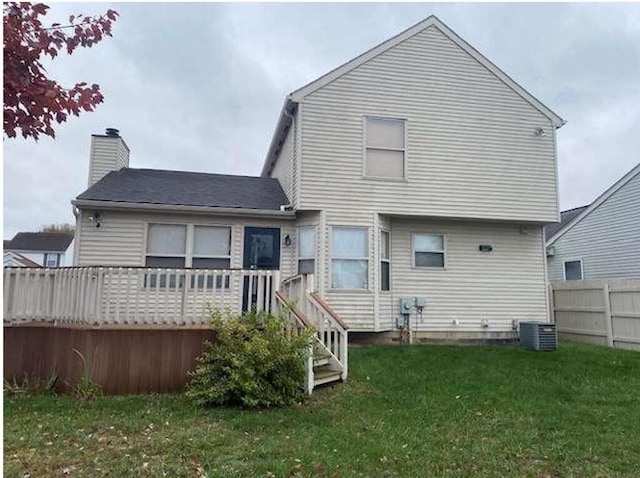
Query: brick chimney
{"type": "Point", "coordinates": [109, 153]}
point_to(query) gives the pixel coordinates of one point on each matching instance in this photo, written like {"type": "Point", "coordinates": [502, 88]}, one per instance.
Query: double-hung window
{"type": "Point", "coordinates": [385, 148]}
{"type": "Point", "coordinates": [166, 245]}
{"type": "Point", "coordinates": [211, 250]}
{"type": "Point", "coordinates": [179, 246]}
{"type": "Point", "coordinates": [428, 250]}
{"type": "Point", "coordinates": [349, 258]}
{"type": "Point", "coordinates": [306, 249]}
{"type": "Point", "coordinates": [51, 259]}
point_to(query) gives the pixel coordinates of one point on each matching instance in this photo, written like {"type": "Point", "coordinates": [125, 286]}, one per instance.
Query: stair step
{"type": "Point", "coordinates": [320, 359]}
{"type": "Point", "coordinates": [326, 376]}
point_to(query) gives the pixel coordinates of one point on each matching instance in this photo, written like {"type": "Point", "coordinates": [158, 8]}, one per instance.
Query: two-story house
{"type": "Point", "coordinates": [413, 182]}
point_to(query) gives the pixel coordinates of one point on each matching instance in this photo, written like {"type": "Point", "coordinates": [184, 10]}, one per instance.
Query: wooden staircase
{"type": "Point", "coordinates": [306, 309]}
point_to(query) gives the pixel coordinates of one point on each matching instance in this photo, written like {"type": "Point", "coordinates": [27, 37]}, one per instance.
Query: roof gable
{"type": "Point", "coordinates": [430, 22]}
{"type": "Point", "coordinates": [595, 204]}
{"type": "Point", "coordinates": [289, 107]}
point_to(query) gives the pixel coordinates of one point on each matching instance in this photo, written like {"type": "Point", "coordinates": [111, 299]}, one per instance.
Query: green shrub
{"type": "Point", "coordinates": [254, 363]}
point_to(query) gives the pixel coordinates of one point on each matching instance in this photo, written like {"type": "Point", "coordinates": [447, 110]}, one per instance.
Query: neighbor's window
{"type": "Point", "coordinates": [306, 249]}
{"type": "Point", "coordinates": [349, 258]}
{"type": "Point", "coordinates": [428, 250]}
{"type": "Point", "coordinates": [573, 270]}
{"type": "Point", "coordinates": [166, 245]}
{"type": "Point", "coordinates": [385, 148]}
{"type": "Point", "coordinates": [51, 260]}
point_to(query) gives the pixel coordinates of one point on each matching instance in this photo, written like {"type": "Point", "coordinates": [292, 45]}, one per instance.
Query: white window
{"type": "Point", "coordinates": [428, 250]}
{"type": "Point", "coordinates": [166, 245]}
{"type": "Point", "coordinates": [51, 259]}
{"type": "Point", "coordinates": [573, 270]}
{"type": "Point", "coordinates": [385, 261]}
{"type": "Point", "coordinates": [349, 258]}
{"type": "Point", "coordinates": [385, 148]}
{"type": "Point", "coordinates": [306, 249]}
{"type": "Point", "coordinates": [179, 246]}
{"type": "Point", "coordinates": [211, 247]}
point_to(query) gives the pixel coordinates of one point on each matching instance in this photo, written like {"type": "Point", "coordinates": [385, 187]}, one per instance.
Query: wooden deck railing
{"type": "Point", "coordinates": [332, 334]}
{"type": "Point", "coordinates": [128, 295]}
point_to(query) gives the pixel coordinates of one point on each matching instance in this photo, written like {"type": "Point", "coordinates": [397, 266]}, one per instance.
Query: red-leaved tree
{"type": "Point", "coordinates": [32, 100]}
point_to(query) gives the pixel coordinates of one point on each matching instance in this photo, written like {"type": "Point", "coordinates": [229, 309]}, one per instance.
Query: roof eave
{"type": "Point", "coordinates": [178, 208]}
{"type": "Point", "coordinates": [595, 204]}
{"type": "Point", "coordinates": [279, 134]}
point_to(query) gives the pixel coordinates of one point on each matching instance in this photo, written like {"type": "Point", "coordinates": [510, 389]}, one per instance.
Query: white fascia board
{"type": "Point", "coordinates": [175, 208]}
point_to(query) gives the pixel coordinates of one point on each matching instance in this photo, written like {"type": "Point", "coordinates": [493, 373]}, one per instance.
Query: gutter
{"type": "Point", "coordinates": [176, 208]}
{"type": "Point", "coordinates": [284, 113]}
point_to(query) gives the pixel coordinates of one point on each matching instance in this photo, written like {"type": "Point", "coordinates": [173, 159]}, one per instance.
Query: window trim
{"type": "Point", "coordinates": [54, 254]}
{"type": "Point", "coordinates": [564, 270]}
{"type": "Point", "coordinates": [387, 260]}
{"type": "Point", "coordinates": [443, 251]}
{"type": "Point", "coordinates": [193, 239]}
{"type": "Point", "coordinates": [315, 244]}
{"type": "Point", "coordinates": [366, 289]}
{"type": "Point", "coordinates": [365, 148]}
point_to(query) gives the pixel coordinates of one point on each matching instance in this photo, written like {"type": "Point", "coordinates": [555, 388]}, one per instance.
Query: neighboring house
{"type": "Point", "coordinates": [13, 259]}
{"type": "Point", "coordinates": [418, 169]}
{"type": "Point", "coordinates": [601, 240]}
{"type": "Point", "coordinates": [39, 249]}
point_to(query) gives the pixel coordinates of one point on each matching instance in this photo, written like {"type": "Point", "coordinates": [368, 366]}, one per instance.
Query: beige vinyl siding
{"type": "Point", "coordinates": [107, 154]}
{"type": "Point", "coordinates": [471, 150]}
{"type": "Point", "coordinates": [500, 286]}
{"type": "Point", "coordinates": [355, 307]}
{"type": "Point", "coordinates": [607, 239]}
{"type": "Point", "coordinates": [283, 169]}
{"type": "Point", "coordinates": [121, 238]}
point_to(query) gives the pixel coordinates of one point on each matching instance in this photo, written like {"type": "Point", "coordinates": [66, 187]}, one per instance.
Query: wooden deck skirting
{"type": "Point", "coordinates": [122, 360]}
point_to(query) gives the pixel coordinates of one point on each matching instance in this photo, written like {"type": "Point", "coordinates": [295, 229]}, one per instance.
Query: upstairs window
{"type": "Point", "coordinates": [306, 249]}
{"type": "Point", "coordinates": [384, 148]}
{"type": "Point", "coordinates": [51, 259]}
{"type": "Point", "coordinates": [428, 250]}
{"type": "Point", "coordinates": [573, 270]}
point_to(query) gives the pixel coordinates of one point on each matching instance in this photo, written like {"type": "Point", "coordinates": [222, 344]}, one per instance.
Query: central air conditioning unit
{"type": "Point", "coordinates": [538, 336]}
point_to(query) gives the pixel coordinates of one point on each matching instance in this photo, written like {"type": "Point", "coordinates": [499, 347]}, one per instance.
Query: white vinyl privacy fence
{"type": "Point", "coordinates": [604, 311]}
{"type": "Point", "coordinates": [123, 295]}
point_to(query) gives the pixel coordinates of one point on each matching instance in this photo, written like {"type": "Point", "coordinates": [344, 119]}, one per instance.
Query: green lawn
{"type": "Point", "coordinates": [405, 412]}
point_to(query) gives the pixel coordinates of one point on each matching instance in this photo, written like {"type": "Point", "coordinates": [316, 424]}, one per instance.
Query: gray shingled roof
{"type": "Point", "coordinates": [40, 241]}
{"type": "Point", "coordinates": [154, 186]}
{"type": "Point", "coordinates": [565, 218]}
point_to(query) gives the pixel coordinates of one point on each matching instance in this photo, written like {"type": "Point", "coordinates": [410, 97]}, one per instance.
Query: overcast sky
{"type": "Point", "coordinates": [199, 87]}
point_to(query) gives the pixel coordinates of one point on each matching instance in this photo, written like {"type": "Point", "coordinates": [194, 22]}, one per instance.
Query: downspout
{"type": "Point", "coordinates": [76, 234]}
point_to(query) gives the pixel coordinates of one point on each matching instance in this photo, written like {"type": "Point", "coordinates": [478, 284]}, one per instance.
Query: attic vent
{"type": "Point", "coordinates": [538, 336]}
